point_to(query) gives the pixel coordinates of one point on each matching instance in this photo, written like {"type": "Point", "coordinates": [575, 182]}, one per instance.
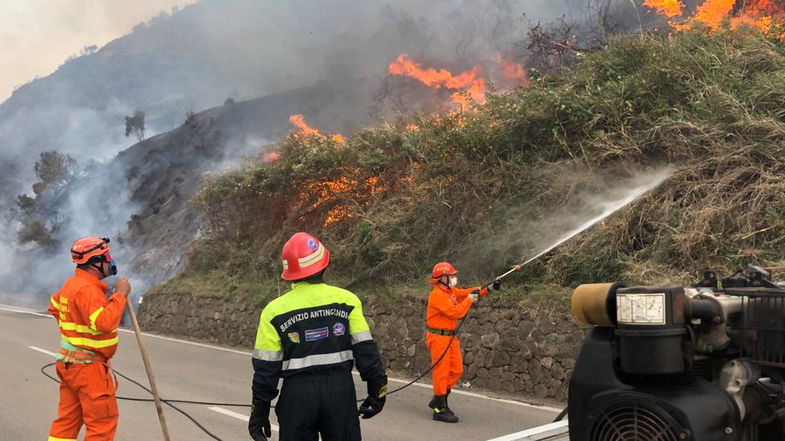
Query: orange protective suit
{"type": "Point", "coordinates": [445, 307]}
{"type": "Point", "coordinates": [88, 331]}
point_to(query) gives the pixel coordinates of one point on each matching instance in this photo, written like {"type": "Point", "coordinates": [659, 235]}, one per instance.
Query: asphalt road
{"type": "Point", "coordinates": [193, 371]}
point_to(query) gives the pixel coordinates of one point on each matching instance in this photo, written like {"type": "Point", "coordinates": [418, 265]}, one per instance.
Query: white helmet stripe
{"type": "Point", "coordinates": [313, 258]}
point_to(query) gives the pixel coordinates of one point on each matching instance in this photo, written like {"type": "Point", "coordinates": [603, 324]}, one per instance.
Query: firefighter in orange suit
{"type": "Point", "coordinates": [446, 305]}
{"type": "Point", "coordinates": [88, 339]}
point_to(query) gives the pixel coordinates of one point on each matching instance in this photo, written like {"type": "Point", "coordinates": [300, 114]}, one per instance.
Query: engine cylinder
{"type": "Point", "coordinates": [651, 330]}
{"type": "Point", "coordinates": [595, 303]}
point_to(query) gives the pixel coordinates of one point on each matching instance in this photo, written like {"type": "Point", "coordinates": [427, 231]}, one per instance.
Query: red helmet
{"type": "Point", "coordinates": [303, 256]}
{"type": "Point", "coordinates": [443, 269]}
{"type": "Point", "coordinates": [84, 249]}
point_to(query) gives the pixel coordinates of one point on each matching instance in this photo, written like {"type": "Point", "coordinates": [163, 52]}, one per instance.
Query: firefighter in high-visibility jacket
{"type": "Point", "coordinates": [88, 324]}
{"type": "Point", "coordinates": [446, 305]}
{"type": "Point", "coordinates": [312, 336]}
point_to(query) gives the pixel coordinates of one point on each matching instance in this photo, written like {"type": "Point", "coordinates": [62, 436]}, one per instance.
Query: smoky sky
{"type": "Point", "coordinates": [195, 59]}
{"type": "Point", "coordinates": [38, 35]}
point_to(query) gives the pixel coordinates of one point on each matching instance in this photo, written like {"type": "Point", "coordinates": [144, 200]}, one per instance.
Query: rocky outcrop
{"type": "Point", "coordinates": [515, 347]}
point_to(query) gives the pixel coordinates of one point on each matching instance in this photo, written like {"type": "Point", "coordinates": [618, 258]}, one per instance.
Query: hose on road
{"type": "Point", "coordinates": [169, 403]}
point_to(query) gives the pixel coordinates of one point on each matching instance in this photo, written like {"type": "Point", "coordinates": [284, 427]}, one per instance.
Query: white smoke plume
{"type": "Point", "coordinates": [197, 58]}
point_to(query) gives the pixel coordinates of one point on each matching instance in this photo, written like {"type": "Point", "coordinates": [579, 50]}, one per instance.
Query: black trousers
{"type": "Point", "coordinates": [313, 405]}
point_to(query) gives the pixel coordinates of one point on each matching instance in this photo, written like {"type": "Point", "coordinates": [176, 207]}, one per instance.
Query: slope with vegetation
{"type": "Point", "coordinates": [395, 198]}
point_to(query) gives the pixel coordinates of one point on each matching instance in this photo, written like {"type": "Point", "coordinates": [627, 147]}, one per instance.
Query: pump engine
{"type": "Point", "coordinates": [705, 363]}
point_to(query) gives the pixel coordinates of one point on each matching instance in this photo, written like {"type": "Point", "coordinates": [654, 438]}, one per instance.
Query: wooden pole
{"type": "Point", "coordinates": [150, 377]}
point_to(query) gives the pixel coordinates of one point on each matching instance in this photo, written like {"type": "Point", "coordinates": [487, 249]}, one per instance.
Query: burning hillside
{"type": "Point", "coordinates": [480, 186]}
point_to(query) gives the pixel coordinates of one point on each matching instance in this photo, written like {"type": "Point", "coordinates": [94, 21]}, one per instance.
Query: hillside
{"type": "Point", "coordinates": [199, 56]}
{"type": "Point", "coordinates": [476, 187]}
{"type": "Point", "coordinates": [331, 67]}
{"type": "Point", "coordinates": [145, 191]}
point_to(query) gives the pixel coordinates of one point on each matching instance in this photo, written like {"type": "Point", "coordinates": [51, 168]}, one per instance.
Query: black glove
{"type": "Point", "coordinates": [259, 423]}
{"type": "Point", "coordinates": [497, 285]}
{"type": "Point", "coordinates": [377, 396]}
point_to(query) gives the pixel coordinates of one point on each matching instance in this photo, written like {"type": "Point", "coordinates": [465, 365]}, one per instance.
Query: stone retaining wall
{"type": "Point", "coordinates": [507, 347]}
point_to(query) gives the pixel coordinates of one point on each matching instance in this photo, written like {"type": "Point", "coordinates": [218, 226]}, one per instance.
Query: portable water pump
{"type": "Point", "coordinates": [705, 363]}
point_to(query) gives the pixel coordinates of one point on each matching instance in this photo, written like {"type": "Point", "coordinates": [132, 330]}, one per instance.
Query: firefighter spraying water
{"type": "Point", "coordinates": [447, 304]}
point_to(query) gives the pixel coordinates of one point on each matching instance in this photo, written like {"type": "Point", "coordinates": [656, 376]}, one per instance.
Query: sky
{"type": "Point", "coordinates": [38, 35]}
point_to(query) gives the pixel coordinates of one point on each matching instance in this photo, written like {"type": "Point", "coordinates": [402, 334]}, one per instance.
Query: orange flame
{"type": "Point", "coordinates": [668, 8]}
{"type": "Point", "coordinates": [765, 7]}
{"type": "Point", "coordinates": [763, 23]}
{"type": "Point", "coordinates": [511, 70]}
{"type": "Point", "coordinates": [304, 130]}
{"type": "Point", "coordinates": [270, 157]}
{"type": "Point", "coordinates": [712, 12]}
{"type": "Point", "coordinates": [760, 14]}
{"type": "Point", "coordinates": [469, 82]}
{"type": "Point", "coordinates": [330, 196]}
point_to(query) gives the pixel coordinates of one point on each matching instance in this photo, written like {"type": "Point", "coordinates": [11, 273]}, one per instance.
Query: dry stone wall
{"type": "Point", "coordinates": [527, 349]}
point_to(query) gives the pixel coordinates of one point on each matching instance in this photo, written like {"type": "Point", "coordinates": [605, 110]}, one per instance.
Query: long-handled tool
{"type": "Point", "coordinates": [150, 377]}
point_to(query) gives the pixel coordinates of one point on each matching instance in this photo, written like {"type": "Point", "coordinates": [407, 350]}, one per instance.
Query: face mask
{"type": "Point", "coordinates": [453, 280]}
{"type": "Point", "coordinates": [111, 267]}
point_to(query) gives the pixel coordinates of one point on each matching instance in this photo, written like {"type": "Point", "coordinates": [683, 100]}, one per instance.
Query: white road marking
{"type": "Point", "coordinates": [536, 433]}
{"type": "Point", "coordinates": [43, 351]}
{"type": "Point", "coordinates": [390, 379]}
{"type": "Point", "coordinates": [22, 311]}
{"type": "Point", "coordinates": [192, 343]}
{"type": "Point", "coordinates": [505, 401]}
{"type": "Point", "coordinates": [239, 416]}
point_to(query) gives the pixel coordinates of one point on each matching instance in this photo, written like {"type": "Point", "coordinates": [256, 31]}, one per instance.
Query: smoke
{"type": "Point", "coordinates": [197, 58]}
{"type": "Point", "coordinates": [216, 49]}
{"type": "Point", "coordinates": [591, 198]}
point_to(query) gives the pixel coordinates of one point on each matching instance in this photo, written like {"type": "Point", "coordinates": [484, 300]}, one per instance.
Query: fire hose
{"type": "Point", "coordinates": [171, 403]}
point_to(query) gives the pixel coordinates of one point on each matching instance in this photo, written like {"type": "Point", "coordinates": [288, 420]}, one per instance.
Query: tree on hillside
{"type": "Point", "coordinates": [54, 171]}
{"type": "Point", "coordinates": [38, 215]}
{"type": "Point", "coordinates": [35, 231]}
{"type": "Point", "coordinates": [135, 124]}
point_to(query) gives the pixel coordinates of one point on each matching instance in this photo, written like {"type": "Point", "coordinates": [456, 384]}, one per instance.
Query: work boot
{"type": "Point", "coordinates": [441, 412]}
{"type": "Point", "coordinates": [435, 402]}
{"type": "Point", "coordinates": [447, 402]}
